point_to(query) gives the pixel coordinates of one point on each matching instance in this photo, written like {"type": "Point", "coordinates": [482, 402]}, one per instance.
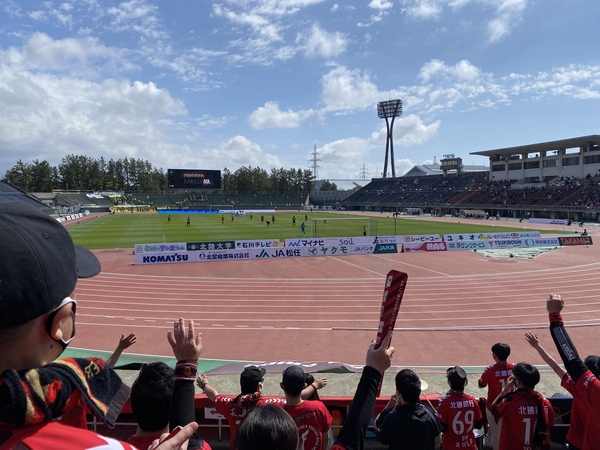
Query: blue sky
{"type": "Point", "coordinates": [230, 83]}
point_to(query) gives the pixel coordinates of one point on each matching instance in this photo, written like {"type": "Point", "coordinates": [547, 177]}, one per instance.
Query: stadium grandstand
{"type": "Point", "coordinates": [556, 179]}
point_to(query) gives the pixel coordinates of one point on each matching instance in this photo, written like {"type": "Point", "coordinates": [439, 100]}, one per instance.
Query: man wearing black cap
{"type": "Point", "coordinates": [39, 268]}
{"type": "Point", "coordinates": [459, 413]}
{"type": "Point", "coordinates": [312, 418]}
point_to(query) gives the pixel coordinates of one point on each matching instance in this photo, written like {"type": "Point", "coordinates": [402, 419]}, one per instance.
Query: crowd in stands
{"type": "Point", "coordinates": [469, 190]}
{"type": "Point", "coordinates": [42, 397]}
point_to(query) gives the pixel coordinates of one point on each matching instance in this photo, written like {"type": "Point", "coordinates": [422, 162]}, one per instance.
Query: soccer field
{"type": "Point", "coordinates": [126, 230]}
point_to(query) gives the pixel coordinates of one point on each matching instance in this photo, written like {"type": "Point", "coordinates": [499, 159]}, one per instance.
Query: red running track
{"type": "Point", "coordinates": [456, 305]}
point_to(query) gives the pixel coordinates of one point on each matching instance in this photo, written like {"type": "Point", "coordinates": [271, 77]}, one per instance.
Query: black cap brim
{"type": "Point", "coordinates": [87, 263]}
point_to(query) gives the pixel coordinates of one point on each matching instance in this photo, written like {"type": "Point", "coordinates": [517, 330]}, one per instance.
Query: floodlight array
{"type": "Point", "coordinates": [389, 108]}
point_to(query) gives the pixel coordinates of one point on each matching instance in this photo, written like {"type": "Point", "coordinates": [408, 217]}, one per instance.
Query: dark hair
{"type": "Point", "coordinates": [267, 427]}
{"type": "Point", "coordinates": [593, 364]}
{"type": "Point", "coordinates": [502, 351]}
{"type": "Point", "coordinates": [527, 374]}
{"type": "Point", "coordinates": [409, 385]}
{"type": "Point", "coordinates": [529, 377]}
{"type": "Point", "coordinates": [310, 380]}
{"type": "Point", "coordinates": [151, 396]}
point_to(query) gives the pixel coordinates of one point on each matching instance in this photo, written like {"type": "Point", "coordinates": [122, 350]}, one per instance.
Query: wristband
{"type": "Point", "coordinates": [202, 386]}
{"type": "Point", "coordinates": [315, 386]}
{"type": "Point", "coordinates": [555, 318]}
{"type": "Point", "coordinates": [186, 370]}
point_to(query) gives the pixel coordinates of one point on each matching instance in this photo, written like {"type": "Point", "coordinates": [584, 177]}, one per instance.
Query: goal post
{"type": "Point", "coordinates": [343, 226]}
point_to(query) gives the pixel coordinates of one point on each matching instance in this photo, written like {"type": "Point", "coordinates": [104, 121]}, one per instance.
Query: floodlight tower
{"type": "Point", "coordinates": [389, 109]}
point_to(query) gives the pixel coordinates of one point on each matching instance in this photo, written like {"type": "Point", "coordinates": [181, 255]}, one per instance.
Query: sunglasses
{"type": "Point", "coordinates": [63, 343]}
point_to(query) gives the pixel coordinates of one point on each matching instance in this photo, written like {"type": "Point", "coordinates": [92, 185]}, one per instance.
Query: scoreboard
{"type": "Point", "coordinates": [193, 179]}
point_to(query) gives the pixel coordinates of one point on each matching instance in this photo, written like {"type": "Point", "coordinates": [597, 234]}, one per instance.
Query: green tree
{"type": "Point", "coordinates": [328, 186]}
{"type": "Point", "coordinates": [227, 181]}
{"type": "Point", "coordinates": [41, 175]}
{"type": "Point", "coordinates": [20, 175]}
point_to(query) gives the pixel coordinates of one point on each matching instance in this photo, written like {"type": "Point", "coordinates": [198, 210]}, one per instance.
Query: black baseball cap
{"type": "Point", "coordinates": [457, 377]}
{"type": "Point", "coordinates": [250, 378]}
{"type": "Point", "coordinates": [39, 264]}
{"type": "Point", "coordinates": [293, 379]}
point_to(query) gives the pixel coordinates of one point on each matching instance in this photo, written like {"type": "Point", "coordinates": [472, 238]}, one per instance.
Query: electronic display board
{"type": "Point", "coordinates": [193, 179]}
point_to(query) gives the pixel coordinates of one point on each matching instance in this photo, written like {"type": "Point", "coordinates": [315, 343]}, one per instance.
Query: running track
{"type": "Point", "coordinates": [456, 305]}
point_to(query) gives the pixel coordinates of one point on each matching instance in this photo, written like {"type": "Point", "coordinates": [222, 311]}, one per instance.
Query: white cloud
{"type": "Point", "coordinates": [463, 70]}
{"type": "Point", "coordinates": [237, 152]}
{"type": "Point", "coordinates": [345, 89]}
{"type": "Point", "coordinates": [380, 4]}
{"type": "Point", "coordinates": [270, 116]}
{"type": "Point", "coordinates": [423, 9]}
{"type": "Point", "coordinates": [508, 15]}
{"type": "Point", "coordinates": [318, 42]}
{"type": "Point", "coordinates": [503, 15]}
{"type": "Point", "coordinates": [85, 57]}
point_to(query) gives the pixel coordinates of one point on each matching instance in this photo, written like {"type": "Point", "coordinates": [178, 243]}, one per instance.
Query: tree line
{"type": "Point", "coordinates": [83, 173]}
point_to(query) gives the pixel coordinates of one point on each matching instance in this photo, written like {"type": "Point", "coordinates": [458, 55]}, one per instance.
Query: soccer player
{"type": "Point", "coordinates": [303, 228]}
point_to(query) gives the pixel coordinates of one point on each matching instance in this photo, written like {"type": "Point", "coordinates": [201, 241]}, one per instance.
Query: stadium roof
{"type": "Point", "coordinates": [543, 146]}
{"type": "Point", "coordinates": [435, 169]}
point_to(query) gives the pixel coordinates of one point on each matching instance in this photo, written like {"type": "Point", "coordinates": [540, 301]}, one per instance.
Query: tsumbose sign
{"type": "Point", "coordinates": [497, 244]}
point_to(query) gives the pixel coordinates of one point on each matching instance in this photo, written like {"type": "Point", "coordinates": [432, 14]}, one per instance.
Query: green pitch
{"type": "Point", "coordinates": [125, 230]}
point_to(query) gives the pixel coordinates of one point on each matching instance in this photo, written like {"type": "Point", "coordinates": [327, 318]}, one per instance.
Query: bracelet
{"type": "Point", "coordinates": [315, 386]}
{"type": "Point", "coordinates": [202, 386]}
{"type": "Point", "coordinates": [186, 370]}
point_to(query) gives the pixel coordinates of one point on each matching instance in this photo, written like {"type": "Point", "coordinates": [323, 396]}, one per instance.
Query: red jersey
{"type": "Point", "coordinates": [519, 412]}
{"type": "Point", "coordinates": [56, 436]}
{"type": "Point", "coordinates": [579, 414]}
{"type": "Point", "coordinates": [235, 409]}
{"type": "Point", "coordinates": [313, 420]}
{"type": "Point", "coordinates": [494, 377]}
{"type": "Point", "coordinates": [587, 392]}
{"type": "Point", "coordinates": [459, 412]}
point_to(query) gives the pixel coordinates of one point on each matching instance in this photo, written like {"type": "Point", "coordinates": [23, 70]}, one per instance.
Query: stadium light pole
{"type": "Point", "coordinates": [389, 109]}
